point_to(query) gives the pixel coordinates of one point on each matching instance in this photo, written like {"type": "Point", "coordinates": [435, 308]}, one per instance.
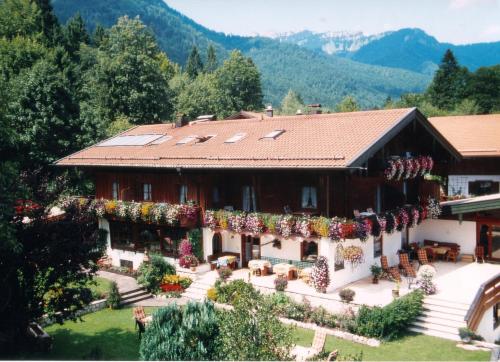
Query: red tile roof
{"type": "Point", "coordinates": [472, 136]}
{"type": "Point", "coordinates": [310, 141]}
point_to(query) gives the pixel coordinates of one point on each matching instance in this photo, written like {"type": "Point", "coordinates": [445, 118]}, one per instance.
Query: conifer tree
{"type": "Point", "coordinates": [211, 64]}
{"type": "Point", "coordinates": [194, 64]}
{"type": "Point", "coordinates": [291, 103]}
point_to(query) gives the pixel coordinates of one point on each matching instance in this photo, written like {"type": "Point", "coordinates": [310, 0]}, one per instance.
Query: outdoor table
{"type": "Point", "coordinates": [305, 275]}
{"type": "Point", "coordinates": [439, 250]}
{"type": "Point", "coordinates": [259, 267]}
{"type": "Point", "coordinates": [287, 270]}
{"type": "Point", "coordinates": [227, 260]}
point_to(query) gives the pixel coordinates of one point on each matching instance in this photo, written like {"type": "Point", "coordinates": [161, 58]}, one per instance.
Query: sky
{"type": "Point", "coordinates": [453, 21]}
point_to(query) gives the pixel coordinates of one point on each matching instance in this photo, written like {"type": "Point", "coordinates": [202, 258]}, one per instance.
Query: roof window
{"type": "Point", "coordinates": [203, 139]}
{"type": "Point", "coordinates": [274, 134]}
{"type": "Point", "coordinates": [161, 140]}
{"type": "Point", "coordinates": [237, 137]}
{"type": "Point", "coordinates": [135, 140]}
{"type": "Point", "coordinates": [186, 140]}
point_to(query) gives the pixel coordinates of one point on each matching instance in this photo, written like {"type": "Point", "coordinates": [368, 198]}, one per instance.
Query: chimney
{"type": "Point", "coordinates": [269, 111]}
{"type": "Point", "coordinates": [181, 120]}
{"type": "Point", "coordinates": [314, 108]}
{"type": "Point", "coordinates": [299, 112]}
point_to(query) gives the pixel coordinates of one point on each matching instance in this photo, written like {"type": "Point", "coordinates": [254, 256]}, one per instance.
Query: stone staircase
{"type": "Point", "coordinates": [133, 296]}
{"type": "Point", "coordinates": [198, 288]}
{"type": "Point", "coordinates": [441, 318]}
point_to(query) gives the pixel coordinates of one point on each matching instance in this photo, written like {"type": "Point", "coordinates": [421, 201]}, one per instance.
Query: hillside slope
{"type": "Point", "coordinates": [318, 77]}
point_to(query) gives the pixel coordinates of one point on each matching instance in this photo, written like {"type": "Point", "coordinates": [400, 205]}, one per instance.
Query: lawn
{"type": "Point", "coordinates": [413, 347]}
{"type": "Point", "coordinates": [110, 335]}
{"type": "Point", "coordinates": [100, 287]}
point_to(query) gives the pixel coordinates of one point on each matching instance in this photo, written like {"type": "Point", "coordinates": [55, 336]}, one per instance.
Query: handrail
{"type": "Point", "coordinates": [487, 295]}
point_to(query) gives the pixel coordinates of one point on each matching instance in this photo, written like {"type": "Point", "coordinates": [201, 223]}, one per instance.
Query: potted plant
{"type": "Point", "coordinates": [193, 261]}
{"type": "Point", "coordinates": [466, 334]}
{"type": "Point", "coordinates": [395, 291]}
{"type": "Point", "coordinates": [376, 272]}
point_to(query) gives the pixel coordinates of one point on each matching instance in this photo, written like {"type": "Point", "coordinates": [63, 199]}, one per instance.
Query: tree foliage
{"type": "Point", "coordinates": [291, 103]}
{"type": "Point", "coordinates": [348, 104]}
{"type": "Point", "coordinates": [194, 64]}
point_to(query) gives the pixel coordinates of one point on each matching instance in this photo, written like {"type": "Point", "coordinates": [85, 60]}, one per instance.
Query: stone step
{"type": "Point", "coordinates": [434, 333]}
{"type": "Point", "coordinates": [442, 315]}
{"type": "Point", "coordinates": [444, 309]}
{"type": "Point", "coordinates": [127, 292]}
{"type": "Point", "coordinates": [446, 303]}
{"type": "Point", "coordinates": [136, 299]}
{"type": "Point", "coordinates": [135, 294]}
{"type": "Point", "coordinates": [441, 322]}
{"type": "Point", "coordinates": [435, 327]}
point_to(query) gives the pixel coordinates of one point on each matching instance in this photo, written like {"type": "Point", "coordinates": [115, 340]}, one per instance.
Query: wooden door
{"type": "Point", "coordinates": [488, 236]}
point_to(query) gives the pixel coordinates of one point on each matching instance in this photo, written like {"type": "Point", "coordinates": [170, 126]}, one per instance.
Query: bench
{"type": "Point", "coordinates": [452, 246]}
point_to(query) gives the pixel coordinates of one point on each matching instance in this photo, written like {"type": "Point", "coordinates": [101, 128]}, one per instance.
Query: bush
{"type": "Point", "coordinates": [224, 273]}
{"type": "Point", "coordinates": [279, 302]}
{"type": "Point", "coordinates": [280, 284]}
{"type": "Point", "coordinates": [346, 320]}
{"type": "Point", "coordinates": [424, 279]}
{"type": "Point", "coordinates": [320, 277]}
{"type": "Point", "coordinates": [234, 290]}
{"type": "Point", "coordinates": [347, 295]}
{"type": "Point", "coordinates": [195, 238]}
{"type": "Point", "coordinates": [298, 311]}
{"type": "Point", "coordinates": [322, 318]}
{"type": "Point", "coordinates": [113, 296]}
{"type": "Point", "coordinates": [179, 334]}
{"type": "Point", "coordinates": [150, 274]}
{"type": "Point", "coordinates": [212, 294]}
{"type": "Point", "coordinates": [390, 321]}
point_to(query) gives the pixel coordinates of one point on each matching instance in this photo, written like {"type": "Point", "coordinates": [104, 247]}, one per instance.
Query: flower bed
{"type": "Point", "coordinates": [150, 212]}
{"type": "Point", "coordinates": [336, 228]}
{"type": "Point", "coordinates": [409, 167]}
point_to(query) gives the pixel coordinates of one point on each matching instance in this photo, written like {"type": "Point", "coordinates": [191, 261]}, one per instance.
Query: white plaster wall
{"type": "Point", "coordinates": [451, 231]}
{"type": "Point", "coordinates": [231, 241]}
{"type": "Point", "coordinates": [485, 328]}
{"type": "Point", "coordinates": [207, 235]}
{"type": "Point", "coordinates": [290, 248]}
{"type": "Point", "coordinates": [459, 184]}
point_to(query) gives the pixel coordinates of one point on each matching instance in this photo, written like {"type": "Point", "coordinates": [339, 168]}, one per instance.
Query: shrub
{"type": "Point", "coordinates": [468, 334]}
{"type": "Point", "coordinates": [178, 334]}
{"type": "Point", "coordinates": [320, 277]}
{"type": "Point", "coordinates": [424, 279]}
{"type": "Point", "coordinates": [347, 295]}
{"type": "Point", "coordinates": [346, 320]}
{"type": "Point", "coordinates": [212, 294]}
{"type": "Point", "coordinates": [195, 238]}
{"type": "Point", "coordinates": [187, 261]}
{"type": "Point", "coordinates": [321, 317]}
{"type": "Point", "coordinates": [280, 284]}
{"type": "Point", "coordinates": [390, 321]}
{"type": "Point", "coordinates": [113, 296]}
{"type": "Point", "coordinates": [224, 273]}
{"type": "Point", "coordinates": [151, 274]}
{"type": "Point", "coordinates": [298, 311]}
{"type": "Point", "coordinates": [279, 302]}
{"type": "Point", "coordinates": [234, 290]}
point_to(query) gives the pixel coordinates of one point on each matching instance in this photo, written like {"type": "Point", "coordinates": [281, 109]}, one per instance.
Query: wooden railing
{"type": "Point", "coordinates": [487, 296]}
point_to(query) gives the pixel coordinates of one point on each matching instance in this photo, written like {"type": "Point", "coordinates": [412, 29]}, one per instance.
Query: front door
{"type": "Point", "coordinates": [488, 236]}
{"type": "Point", "coordinates": [250, 249]}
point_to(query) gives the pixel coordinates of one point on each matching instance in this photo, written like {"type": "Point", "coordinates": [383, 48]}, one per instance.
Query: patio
{"type": "Point", "coordinates": [456, 282]}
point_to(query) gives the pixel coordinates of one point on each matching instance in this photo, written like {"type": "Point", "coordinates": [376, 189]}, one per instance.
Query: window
{"type": "Point", "coordinates": [479, 188]}
{"type": "Point", "coordinates": [249, 203]}
{"type": "Point", "coordinates": [309, 251]}
{"type": "Point", "coordinates": [339, 257]}
{"type": "Point", "coordinates": [274, 134]}
{"type": "Point", "coordinates": [237, 137]}
{"type": "Point", "coordinates": [183, 194]}
{"type": "Point", "coordinates": [146, 190]}
{"type": "Point", "coordinates": [309, 197]}
{"type": "Point", "coordinates": [115, 192]}
{"type": "Point", "coordinates": [203, 139]}
{"type": "Point", "coordinates": [186, 140]}
{"type": "Point", "coordinates": [135, 140]}
{"type": "Point", "coordinates": [121, 235]}
{"type": "Point", "coordinates": [161, 140]}
{"type": "Point", "coordinates": [215, 195]}
{"type": "Point", "coordinates": [377, 246]}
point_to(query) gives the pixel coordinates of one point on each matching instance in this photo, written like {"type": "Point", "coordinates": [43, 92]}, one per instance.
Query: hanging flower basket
{"type": "Point", "coordinates": [354, 255]}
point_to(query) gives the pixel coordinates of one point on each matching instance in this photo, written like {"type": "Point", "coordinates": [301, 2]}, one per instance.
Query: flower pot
{"type": "Point", "coordinates": [395, 293]}
{"type": "Point", "coordinates": [375, 280]}
{"type": "Point", "coordinates": [193, 268]}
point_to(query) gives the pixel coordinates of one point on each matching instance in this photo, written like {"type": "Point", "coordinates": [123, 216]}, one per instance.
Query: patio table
{"type": "Point", "coordinates": [439, 250]}
{"type": "Point", "coordinates": [288, 270]}
{"type": "Point", "coordinates": [227, 260]}
{"type": "Point", "coordinates": [259, 267]}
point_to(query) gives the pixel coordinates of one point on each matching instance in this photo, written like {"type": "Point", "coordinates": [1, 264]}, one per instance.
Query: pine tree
{"type": "Point", "coordinates": [98, 36]}
{"type": "Point", "coordinates": [75, 34]}
{"type": "Point", "coordinates": [348, 104]}
{"type": "Point", "coordinates": [449, 84]}
{"type": "Point", "coordinates": [194, 64]}
{"type": "Point", "coordinates": [211, 64]}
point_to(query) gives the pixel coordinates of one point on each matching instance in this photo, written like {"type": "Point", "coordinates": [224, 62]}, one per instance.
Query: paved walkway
{"type": "Point", "coordinates": [125, 283]}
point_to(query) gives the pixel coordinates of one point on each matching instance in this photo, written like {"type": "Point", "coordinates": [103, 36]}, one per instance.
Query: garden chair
{"type": "Point", "coordinates": [389, 272]}
{"type": "Point", "coordinates": [452, 255]}
{"type": "Point", "coordinates": [422, 257]}
{"type": "Point", "coordinates": [408, 269]}
{"type": "Point", "coordinates": [318, 344]}
{"type": "Point", "coordinates": [141, 319]}
{"type": "Point", "coordinates": [479, 253]}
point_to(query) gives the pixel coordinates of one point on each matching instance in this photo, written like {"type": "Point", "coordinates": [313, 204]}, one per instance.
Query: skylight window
{"type": "Point", "coordinates": [186, 140]}
{"type": "Point", "coordinates": [274, 134]}
{"type": "Point", "coordinates": [237, 137]}
{"type": "Point", "coordinates": [136, 140]}
{"type": "Point", "coordinates": [203, 139]}
{"type": "Point", "coordinates": [161, 140]}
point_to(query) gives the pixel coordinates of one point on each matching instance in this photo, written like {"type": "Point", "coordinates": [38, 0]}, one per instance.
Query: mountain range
{"type": "Point", "coordinates": [323, 68]}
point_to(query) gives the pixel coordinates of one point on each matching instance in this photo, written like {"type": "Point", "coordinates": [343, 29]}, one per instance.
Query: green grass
{"type": "Point", "coordinates": [100, 287]}
{"type": "Point", "coordinates": [413, 347]}
{"type": "Point", "coordinates": [110, 335]}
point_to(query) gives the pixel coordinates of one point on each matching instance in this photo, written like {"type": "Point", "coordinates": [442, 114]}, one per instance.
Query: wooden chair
{"type": "Point", "coordinates": [452, 255]}
{"type": "Point", "coordinates": [479, 253]}
{"type": "Point", "coordinates": [390, 272]}
{"type": "Point", "coordinates": [304, 353]}
{"type": "Point", "coordinates": [141, 319]}
{"type": "Point", "coordinates": [422, 257]}
{"type": "Point", "coordinates": [408, 269]}
{"type": "Point", "coordinates": [431, 255]}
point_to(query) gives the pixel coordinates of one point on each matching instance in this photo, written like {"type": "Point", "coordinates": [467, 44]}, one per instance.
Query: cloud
{"type": "Point", "coordinates": [462, 4]}
{"type": "Point", "coordinates": [491, 32]}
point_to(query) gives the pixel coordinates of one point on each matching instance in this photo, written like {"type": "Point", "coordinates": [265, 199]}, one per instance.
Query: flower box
{"type": "Point", "coordinates": [171, 288]}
